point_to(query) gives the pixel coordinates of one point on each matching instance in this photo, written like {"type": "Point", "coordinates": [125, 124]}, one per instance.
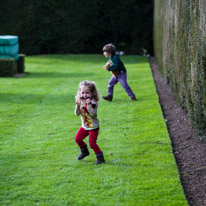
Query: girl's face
{"type": "Point", "coordinates": [106, 54]}
{"type": "Point", "coordinates": [85, 92]}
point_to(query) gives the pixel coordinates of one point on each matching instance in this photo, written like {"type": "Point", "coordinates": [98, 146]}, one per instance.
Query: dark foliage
{"type": "Point", "coordinates": [21, 63]}
{"type": "Point", "coordinates": [180, 51]}
{"type": "Point", "coordinates": [7, 67]}
{"type": "Point", "coordinates": [70, 26]}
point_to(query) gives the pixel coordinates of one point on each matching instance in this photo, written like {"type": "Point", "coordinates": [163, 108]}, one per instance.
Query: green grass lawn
{"type": "Point", "coordinates": [38, 164]}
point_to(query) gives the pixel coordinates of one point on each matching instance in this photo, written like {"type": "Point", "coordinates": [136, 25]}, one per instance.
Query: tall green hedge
{"type": "Point", "coordinates": [78, 26]}
{"type": "Point", "coordinates": [180, 51]}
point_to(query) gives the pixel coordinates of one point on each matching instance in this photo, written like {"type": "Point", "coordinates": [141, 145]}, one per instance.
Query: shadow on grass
{"type": "Point", "coordinates": [115, 162]}
{"type": "Point", "coordinates": [50, 99]}
{"type": "Point", "coordinates": [123, 101]}
{"type": "Point", "coordinates": [35, 99]}
{"type": "Point", "coordinates": [37, 75]}
{"type": "Point", "coordinates": [89, 58]}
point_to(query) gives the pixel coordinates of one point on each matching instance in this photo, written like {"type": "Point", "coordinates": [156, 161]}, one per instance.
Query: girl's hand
{"type": "Point", "coordinates": [78, 103]}
{"type": "Point", "coordinates": [88, 101]}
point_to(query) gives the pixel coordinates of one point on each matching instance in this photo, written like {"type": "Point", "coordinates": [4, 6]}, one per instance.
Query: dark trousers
{"type": "Point", "coordinates": [122, 79]}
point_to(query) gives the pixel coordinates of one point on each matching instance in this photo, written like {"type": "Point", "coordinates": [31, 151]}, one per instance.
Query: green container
{"type": "Point", "coordinates": [11, 50]}
{"type": "Point", "coordinates": [9, 47]}
{"type": "Point", "coordinates": [8, 40]}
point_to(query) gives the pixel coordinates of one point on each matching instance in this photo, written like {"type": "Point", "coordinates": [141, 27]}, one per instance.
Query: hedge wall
{"type": "Point", "coordinates": [78, 26]}
{"type": "Point", "coordinates": [180, 51]}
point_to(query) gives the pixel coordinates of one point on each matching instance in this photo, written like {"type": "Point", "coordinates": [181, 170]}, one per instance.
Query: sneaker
{"type": "Point", "coordinates": [133, 99]}
{"type": "Point", "coordinates": [108, 98]}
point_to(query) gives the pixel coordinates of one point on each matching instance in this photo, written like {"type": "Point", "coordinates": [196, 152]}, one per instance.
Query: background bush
{"type": "Point", "coordinates": [7, 67]}
{"type": "Point", "coordinates": [21, 63]}
{"type": "Point", "coordinates": [70, 26]}
{"type": "Point", "coordinates": [180, 51]}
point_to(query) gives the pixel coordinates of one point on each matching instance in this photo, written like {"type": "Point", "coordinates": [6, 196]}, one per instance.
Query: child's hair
{"type": "Point", "coordinates": [110, 48]}
{"type": "Point", "coordinates": [92, 87]}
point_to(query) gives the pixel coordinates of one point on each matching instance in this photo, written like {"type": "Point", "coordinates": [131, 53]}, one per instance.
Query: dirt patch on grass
{"type": "Point", "coordinates": [189, 151]}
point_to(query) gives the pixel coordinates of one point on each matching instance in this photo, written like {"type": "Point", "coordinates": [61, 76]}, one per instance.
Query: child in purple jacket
{"type": "Point", "coordinates": [117, 68]}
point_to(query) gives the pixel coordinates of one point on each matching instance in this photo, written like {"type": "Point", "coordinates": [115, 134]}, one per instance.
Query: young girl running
{"type": "Point", "coordinates": [86, 106]}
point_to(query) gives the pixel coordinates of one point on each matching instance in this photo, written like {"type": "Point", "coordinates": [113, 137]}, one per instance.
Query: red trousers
{"type": "Point", "coordinates": [93, 134]}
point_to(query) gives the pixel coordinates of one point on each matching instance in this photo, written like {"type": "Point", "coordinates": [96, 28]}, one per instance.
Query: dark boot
{"type": "Point", "coordinates": [100, 158]}
{"type": "Point", "coordinates": [108, 98]}
{"type": "Point", "coordinates": [84, 153]}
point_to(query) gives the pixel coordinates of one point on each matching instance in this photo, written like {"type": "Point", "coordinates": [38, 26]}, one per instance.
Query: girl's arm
{"type": "Point", "coordinates": [77, 110]}
{"type": "Point", "coordinates": [92, 108]}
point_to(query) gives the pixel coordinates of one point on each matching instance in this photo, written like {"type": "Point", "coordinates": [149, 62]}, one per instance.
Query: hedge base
{"type": "Point", "coordinates": [9, 67]}
{"type": "Point", "coordinates": [20, 63]}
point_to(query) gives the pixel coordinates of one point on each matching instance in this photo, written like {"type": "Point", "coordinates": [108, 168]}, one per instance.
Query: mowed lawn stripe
{"type": "Point", "coordinates": [38, 152]}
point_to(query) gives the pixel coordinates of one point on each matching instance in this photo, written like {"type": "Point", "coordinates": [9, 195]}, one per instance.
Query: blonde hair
{"type": "Point", "coordinates": [92, 87]}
